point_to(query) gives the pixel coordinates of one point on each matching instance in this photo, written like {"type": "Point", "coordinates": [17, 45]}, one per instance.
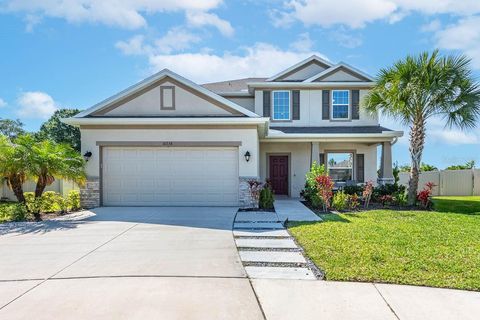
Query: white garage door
{"type": "Point", "coordinates": [154, 176]}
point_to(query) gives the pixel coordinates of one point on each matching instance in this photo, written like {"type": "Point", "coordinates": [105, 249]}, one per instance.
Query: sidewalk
{"type": "Point", "coordinates": [292, 299]}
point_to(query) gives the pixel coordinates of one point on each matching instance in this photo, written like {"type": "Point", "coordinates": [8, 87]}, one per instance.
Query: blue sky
{"type": "Point", "coordinates": [75, 53]}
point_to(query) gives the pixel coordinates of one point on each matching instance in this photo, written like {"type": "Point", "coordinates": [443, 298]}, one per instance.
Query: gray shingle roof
{"type": "Point", "coordinates": [231, 86]}
{"type": "Point", "coordinates": [331, 130]}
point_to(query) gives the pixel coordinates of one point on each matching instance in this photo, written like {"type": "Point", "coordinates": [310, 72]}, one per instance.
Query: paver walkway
{"type": "Point", "coordinates": [266, 248]}
{"type": "Point", "coordinates": [294, 210]}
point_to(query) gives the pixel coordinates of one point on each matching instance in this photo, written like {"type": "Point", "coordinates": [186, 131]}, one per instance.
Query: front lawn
{"type": "Point", "coordinates": [457, 204]}
{"type": "Point", "coordinates": [440, 249]}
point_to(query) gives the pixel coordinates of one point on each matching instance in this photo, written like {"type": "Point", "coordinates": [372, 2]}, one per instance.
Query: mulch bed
{"type": "Point", "coordinates": [372, 206]}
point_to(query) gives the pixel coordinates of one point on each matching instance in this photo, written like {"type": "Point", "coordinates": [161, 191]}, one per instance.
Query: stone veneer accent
{"type": "Point", "coordinates": [90, 193]}
{"type": "Point", "coordinates": [244, 197]}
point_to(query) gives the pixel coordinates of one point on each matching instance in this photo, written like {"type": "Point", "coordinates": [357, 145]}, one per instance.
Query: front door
{"type": "Point", "coordinates": [279, 174]}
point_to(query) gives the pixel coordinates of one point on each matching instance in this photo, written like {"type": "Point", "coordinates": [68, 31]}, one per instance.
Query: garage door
{"type": "Point", "coordinates": [154, 176]}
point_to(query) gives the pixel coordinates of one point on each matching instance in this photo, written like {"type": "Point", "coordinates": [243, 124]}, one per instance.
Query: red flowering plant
{"type": "Point", "coordinates": [425, 196]}
{"type": "Point", "coordinates": [367, 192]}
{"type": "Point", "coordinates": [325, 190]}
{"type": "Point", "coordinates": [386, 199]}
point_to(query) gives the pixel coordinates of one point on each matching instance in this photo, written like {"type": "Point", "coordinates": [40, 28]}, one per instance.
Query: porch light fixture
{"type": "Point", "coordinates": [247, 156]}
{"type": "Point", "coordinates": [87, 156]}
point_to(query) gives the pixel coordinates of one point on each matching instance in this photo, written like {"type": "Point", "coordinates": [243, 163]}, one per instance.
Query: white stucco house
{"type": "Point", "coordinates": [170, 141]}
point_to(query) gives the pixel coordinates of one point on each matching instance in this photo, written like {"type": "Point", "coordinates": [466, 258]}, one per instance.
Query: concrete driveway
{"type": "Point", "coordinates": [126, 263]}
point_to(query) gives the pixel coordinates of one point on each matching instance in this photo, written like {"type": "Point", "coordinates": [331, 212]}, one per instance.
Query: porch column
{"type": "Point", "coordinates": [386, 169]}
{"type": "Point", "coordinates": [315, 156]}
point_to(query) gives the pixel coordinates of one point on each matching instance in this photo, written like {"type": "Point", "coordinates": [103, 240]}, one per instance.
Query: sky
{"type": "Point", "coordinates": [74, 53]}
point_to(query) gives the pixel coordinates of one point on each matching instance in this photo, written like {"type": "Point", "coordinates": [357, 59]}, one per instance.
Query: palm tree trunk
{"type": "Point", "coordinates": [417, 141]}
{"type": "Point", "coordinates": [39, 188]}
{"type": "Point", "coordinates": [16, 185]}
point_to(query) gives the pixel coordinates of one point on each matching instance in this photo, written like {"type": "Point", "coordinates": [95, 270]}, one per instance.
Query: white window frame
{"type": "Point", "coordinates": [349, 106]}
{"type": "Point", "coordinates": [272, 103]}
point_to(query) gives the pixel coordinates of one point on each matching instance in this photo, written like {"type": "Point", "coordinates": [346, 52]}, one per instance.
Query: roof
{"type": "Point", "coordinates": [300, 64]}
{"type": "Point", "coordinates": [231, 86]}
{"type": "Point", "coordinates": [159, 76]}
{"type": "Point", "coordinates": [338, 66]}
{"type": "Point", "coordinates": [332, 130]}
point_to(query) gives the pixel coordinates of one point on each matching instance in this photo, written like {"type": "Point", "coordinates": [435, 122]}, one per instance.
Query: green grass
{"type": "Point", "coordinates": [407, 247]}
{"type": "Point", "coordinates": [457, 204]}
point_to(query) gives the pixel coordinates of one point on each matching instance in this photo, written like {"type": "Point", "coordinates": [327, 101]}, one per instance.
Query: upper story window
{"type": "Point", "coordinates": [340, 104]}
{"type": "Point", "coordinates": [281, 105]}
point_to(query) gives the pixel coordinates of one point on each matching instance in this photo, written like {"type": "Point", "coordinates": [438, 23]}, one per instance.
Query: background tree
{"type": "Point", "coordinates": [466, 166]}
{"type": "Point", "coordinates": [11, 128]}
{"type": "Point", "coordinates": [424, 167]}
{"type": "Point", "coordinates": [417, 88]}
{"type": "Point", "coordinates": [14, 165]}
{"type": "Point", "coordinates": [60, 132]}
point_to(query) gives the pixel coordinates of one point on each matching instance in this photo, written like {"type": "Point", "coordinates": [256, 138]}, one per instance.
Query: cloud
{"type": "Point", "coordinates": [201, 19]}
{"type": "Point", "coordinates": [346, 38]}
{"type": "Point", "coordinates": [36, 104]}
{"type": "Point", "coordinates": [2, 103]}
{"type": "Point", "coordinates": [176, 39]}
{"type": "Point", "coordinates": [463, 35]}
{"type": "Point", "coordinates": [260, 60]}
{"type": "Point", "coordinates": [304, 43]}
{"type": "Point", "coordinates": [432, 26]}
{"type": "Point", "coordinates": [126, 13]}
{"type": "Point", "coordinates": [356, 14]}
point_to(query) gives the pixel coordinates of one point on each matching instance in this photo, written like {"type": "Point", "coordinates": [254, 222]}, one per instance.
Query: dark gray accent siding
{"type": "Point", "coordinates": [266, 103]}
{"type": "Point", "coordinates": [325, 104]}
{"type": "Point", "coordinates": [355, 104]}
{"type": "Point", "coordinates": [296, 105]}
{"type": "Point", "coordinates": [360, 167]}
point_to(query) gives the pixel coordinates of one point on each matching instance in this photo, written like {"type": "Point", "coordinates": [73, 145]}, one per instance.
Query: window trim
{"type": "Point", "coordinates": [354, 160]}
{"type": "Point", "coordinates": [272, 104]}
{"type": "Point", "coordinates": [349, 111]}
{"type": "Point", "coordinates": [162, 89]}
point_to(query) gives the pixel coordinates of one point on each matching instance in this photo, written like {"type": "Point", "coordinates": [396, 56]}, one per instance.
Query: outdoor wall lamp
{"type": "Point", "coordinates": [87, 156]}
{"type": "Point", "coordinates": [247, 156]}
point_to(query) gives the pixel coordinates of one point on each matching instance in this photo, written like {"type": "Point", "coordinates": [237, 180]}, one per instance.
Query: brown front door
{"type": "Point", "coordinates": [279, 174]}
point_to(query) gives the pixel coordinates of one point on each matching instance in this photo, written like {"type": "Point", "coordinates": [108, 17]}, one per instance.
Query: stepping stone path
{"type": "Point", "coordinates": [267, 250]}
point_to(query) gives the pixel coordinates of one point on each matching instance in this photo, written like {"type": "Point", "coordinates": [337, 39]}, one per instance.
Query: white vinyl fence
{"type": "Point", "coordinates": [449, 182]}
{"type": "Point", "coordinates": [60, 186]}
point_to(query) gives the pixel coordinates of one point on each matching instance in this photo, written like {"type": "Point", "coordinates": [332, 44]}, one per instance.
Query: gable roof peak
{"type": "Point", "coordinates": [298, 65]}
{"type": "Point", "coordinates": [340, 65]}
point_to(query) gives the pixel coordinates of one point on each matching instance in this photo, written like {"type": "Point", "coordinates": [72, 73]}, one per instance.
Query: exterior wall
{"type": "Point", "coordinates": [449, 182]}
{"type": "Point", "coordinates": [370, 153]}
{"type": "Point", "coordinates": [300, 160]}
{"type": "Point", "coordinates": [186, 103]}
{"type": "Point", "coordinates": [246, 102]}
{"type": "Point", "coordinates": [311, 111]}
{"type": "Point", "coordinates": [247, 136]}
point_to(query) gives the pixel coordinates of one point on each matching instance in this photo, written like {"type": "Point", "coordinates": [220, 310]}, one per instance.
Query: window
{"type": "Point", "coordinates": [340, 166]}
{"type": "Point", "coordinates": [340, 103]}
{"type": "Point", "coordinates": [281, 105]}
{"type": "Point", "coordinates": [167, 97]}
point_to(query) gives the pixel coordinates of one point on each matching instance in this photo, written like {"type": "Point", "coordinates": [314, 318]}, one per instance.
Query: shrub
{"type": "Point", "coordinates": [386, 200]}
{"type": "Point", "coordinates": [32, 204]}
{"type": "Point", "coordinates": [367, 192]}
{"type": "Point", "coordinates": [63, 203]}
{"type": "Point", "coordinates": [353, 201]}
{"type": "Point", "coordinates": [340, 201]}
{"type": "Point", "coordinates": [50, 201]}
{"type": "Point", "coordinates": [387, 190]}
{"type": "Point", "coordinates": [425, 196]}
{"type": "Point", "coordinates": [325, 190]}
{"type": "Point", "coordinates": [353, 190]}
{"type": "Point", "coordinates": [266, 197]}
{"type": "Point", "coordinates": [13, 212]}
{"type": "Point", "coordinates": [74, 199]}
{"type": "Point", "coordinates": [401, 199]}
{"type": "Point", "coordinates": [310, 192]}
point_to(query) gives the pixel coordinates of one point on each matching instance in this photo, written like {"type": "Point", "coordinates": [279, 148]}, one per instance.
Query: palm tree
{"type": "Point", "coordinates": [14, 164]}
{"type": "Point", "coordinates": [420, 87]}
{"type": "Point", "coordinates": [50, 160]}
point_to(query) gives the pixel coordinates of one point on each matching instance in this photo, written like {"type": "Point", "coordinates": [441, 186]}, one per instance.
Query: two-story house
{"type": "Point", "coordinates": [170, 141]}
